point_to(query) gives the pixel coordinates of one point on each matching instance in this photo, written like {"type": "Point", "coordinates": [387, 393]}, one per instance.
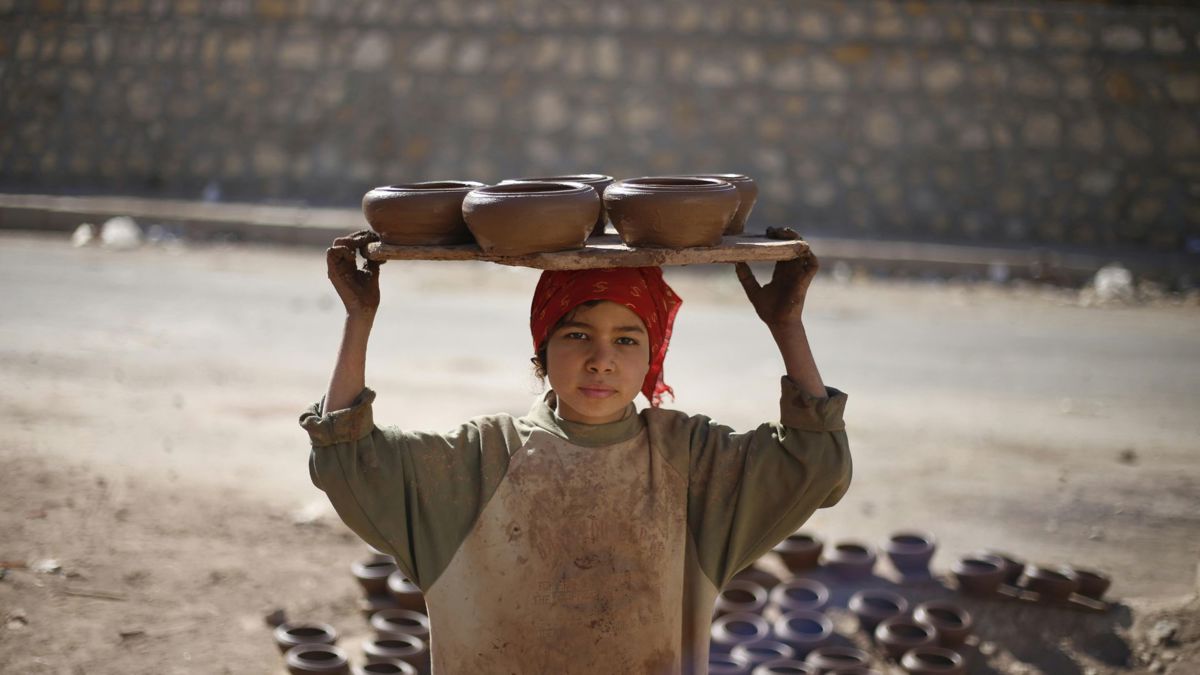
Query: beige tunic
{"type": "Point", "coordinates": [545, 546]}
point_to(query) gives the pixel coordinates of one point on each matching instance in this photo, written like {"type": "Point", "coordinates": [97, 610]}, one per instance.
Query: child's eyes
{"type": "Point", "coordinates": [576, 335]}
{"type": "Point", "coordinates": [626, 341]}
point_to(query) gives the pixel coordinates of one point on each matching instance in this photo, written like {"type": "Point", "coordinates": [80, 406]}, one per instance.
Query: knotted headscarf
{"type": "Point", "coordinates": [641, 289]}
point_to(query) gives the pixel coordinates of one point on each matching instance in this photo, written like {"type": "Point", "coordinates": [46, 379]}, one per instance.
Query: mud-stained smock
{"type": "Point", "coordinates": [547, 546]}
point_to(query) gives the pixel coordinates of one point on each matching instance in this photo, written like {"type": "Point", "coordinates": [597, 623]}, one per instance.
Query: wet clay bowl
{"type": "Point", "coordinates": [979, 575]}
{"type": "Point", "coordinates": [288, 635]}
{"type": "Point", "coordinates": [850, 560]}
{"type": "Point", "coordinates": [598, 182]}
{"type": "Point", "coordinates": [1052, 584]}
{"type": "Point", "coordinates": [407, 648]}
{"type": "Point", "coordinates": [372, 573]}
{"type": "Point", "coordinates": [740, 596]}
{"type": "Point", "coordinates": [390, 622]}
{"type": "Point", "coordinates": [385, 668]}
{"type": "Point", "coordinates": [800, 594]}
{"type": "Point", "coordinates": [524, 218]}
{"type": "Point", "coordinates": [933, 661]}
{"type": "Point", "coordinates": [784, 667]}
{"type": "Point", "coordinates": [1092, 583]}
{"type": "Point", "coordinates": [406, 593]}
{"type": "Point", "coordinates": [837, 659]}
{"type": "Point", "coordinates": [800, 551]}
{"type": "Point", "coordinates": [951, 623]}
{"type": "Point", "coordinates": [316, 660]}
{"type": "Point", "coordinates": [901, 633]}
{"type": "Point", "coordinates": [747, 194]}
{"type": "Point", "coordinates": [910, 550]}
{"type": "Point", "coordinates": [727, 664]}
{"type": "Point", "coordinates": [1013, 567]}
{"type": "Point", "coordinates": [671, 211]}
{"type": "Point", "coordinates": [734, 629]}
{"type": "Point", "coordinates": [763, 651]}
{"type": "Point", "coordinates": [419, 214]}
{"type": "Point", "coordinates": [872, 606]}
{"type": "Point", "coordinates": [803, 630]}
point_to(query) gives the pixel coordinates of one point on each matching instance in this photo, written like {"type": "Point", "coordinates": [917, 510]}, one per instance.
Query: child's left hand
{"type": "Point", "coordinates": [780, 303]}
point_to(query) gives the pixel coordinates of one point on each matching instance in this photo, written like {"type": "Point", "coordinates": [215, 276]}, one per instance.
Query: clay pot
{"type": "Point", "coordinates": [901, 633]}
{"type": "Point", "coordinates": [671, 211]}
{"type": "Point", "coordinates": [1052, 584]}
{"type": "Point", "coordinates": [741, 596]}
{"type": "Point", "coordinates": [800, 551]}
{"type": "Point", "coordinates": [725, 664]}
{"type": "Point", "coordinates": [784, 667]}
{"type": "Point", "coordinates": [872, 606]}
{"type": "Point", "coordinates": [371, 604]}
{"type": "Point", "coordinates": [598, 182]}
{"type": "Point", "coordinates": [800, 594]}
{"type": "Point", "coordinates": [734, 629]}
{"type": "Point", "coordinates": [407, 648]}
{"type": "Point", "coordinates": [288, 635]}
{"type": "Point", "coordinates": [763, 651]}
{"type": "Point", "coordinates": [803, 630]}
{"type": "Point", "coordinates": [747, 191]}
{"type": "Point", "coordinates": [951, 623]}
{"type": "Point", "coordinates": [1013, 567]}
{"type": "Point", "coordinates": [979, 574]}
{"type": "Point", "coordinates": [851, 560]}
{"type": "Point", "coordinates": [933, 661]}
{"type": "Point", "coordinates": [910, 551]}
{"type": "Point", "coordinates": [523, 218]}
{"type": "Point", "coordinates": [390, 622]}
{"type": "Point", "coordinates": [1092, 583]}
{"type": "Point", "coordinates": [372, 573]}
{"type": "Point", "coordinates": [406, 593]}
{"type": "Point", "coordinates": [759, 576]}
{"type": "Point", "coordinates": [316, 660]}
{"type": "Point", "coordinates": [385, 668]}
{"type": "Point", "coordinates": [837, 659]}
{"type": "Point", "coordinates": [419, 214]}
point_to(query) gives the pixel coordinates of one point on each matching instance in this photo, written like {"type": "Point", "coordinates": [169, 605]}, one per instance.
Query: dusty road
{"type": "Point", "coordinates": [149, 402]}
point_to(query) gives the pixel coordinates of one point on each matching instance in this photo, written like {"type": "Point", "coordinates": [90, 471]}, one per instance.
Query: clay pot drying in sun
{"type": "Point", "coordinates": [391, 622]}
{"type": "Point", "coordinates": [901, 633]}
{"type": "Point", "coordinates": [384, 668]}
{"type": "Point", "coordinates": [784, 667]}
{"type": "Point", "coordinates": [406, 593]}
{"type": "Point", "coordinates": [372, 573]}
{"type": "Point", "coordinates": [851, 560]}
{"type": "Point", "coordinates": [800, 594]}
{"type": "Point", "coordinates": [407, 648]}
{"type": "Point", "coordinates": [933, 661]}
{"type": "Point", "coordinates": [288, 635]}
{"type": "Point", "coordinates": [1052, 584]}
{"type": "Point", "coordinates": [317, 660]}
{"type": "Point", "coordinates": [671, 211]}
{"type": "Point", "coordinates": [419, 214]}
{"type": "Point", "coordinates": [523, 218]}
{"type": "Point", "coordinates": [837, 659]}
{"type": "Point", "coordinates": [872, 606]}
{"type": "Point", "coordinates": [1013, 567]}
{"type": "Point", "coordinates": [759, 576]}
{"type": "Point", "coordinates": [803, 630]}
{"type": "Point", "coordinates": [763, 651]}
{"type": "Point", "coordinates": [910, 551]}
{"type": "Point", "coordinates": [1092, 583]}
{"type": "Point", "coordinates": [598, 182]}
{"type": "Point", "coordinates": [734, 629]}
{"type": "Point", "coordinates": [747, 191]}
{"type": "Point", "coordinates": [800, 551]}
{"type": "Point", "coordinates": [371, 604]}
{"type": "Point", "coordinates": [951, 623]}
{"type": "Point", "coordinates": [979, 574]}
{"type": "Point", "coordinates": [741, 596]}
{"type": "Point", "coordinates": [727, 664]}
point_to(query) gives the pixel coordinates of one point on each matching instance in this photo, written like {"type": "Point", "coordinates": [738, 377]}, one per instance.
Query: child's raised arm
{"type": "Point", "coordinates": [779, 304]}
{"type": "Point", "coordinates": [359, 291]}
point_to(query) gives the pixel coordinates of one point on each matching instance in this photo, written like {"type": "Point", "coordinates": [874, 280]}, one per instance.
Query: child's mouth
{"type": "Point", "coordinates": [596, 392]}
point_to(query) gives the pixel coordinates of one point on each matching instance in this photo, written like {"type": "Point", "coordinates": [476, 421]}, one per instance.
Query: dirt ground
{"type": "Point", "coordinates": [155, 503]}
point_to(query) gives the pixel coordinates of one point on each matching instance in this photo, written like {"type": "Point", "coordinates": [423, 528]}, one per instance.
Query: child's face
{"type": "Point", "coordinates": [596, 362]}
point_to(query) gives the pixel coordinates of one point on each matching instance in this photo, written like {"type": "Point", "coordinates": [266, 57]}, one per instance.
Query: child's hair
{"type": "Point", "coordinates": [540, 365]}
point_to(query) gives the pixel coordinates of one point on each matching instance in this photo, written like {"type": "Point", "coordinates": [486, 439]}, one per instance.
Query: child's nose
{"type": "Point", "coordinates": [601, 360]}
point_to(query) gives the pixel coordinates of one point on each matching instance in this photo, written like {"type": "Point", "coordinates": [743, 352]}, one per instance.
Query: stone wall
{"type": "Point", "coordinates": [1052, 122]}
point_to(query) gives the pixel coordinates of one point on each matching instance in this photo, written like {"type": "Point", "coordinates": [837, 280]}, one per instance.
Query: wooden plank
{"type": "Point", "coordinates": [607, 251]}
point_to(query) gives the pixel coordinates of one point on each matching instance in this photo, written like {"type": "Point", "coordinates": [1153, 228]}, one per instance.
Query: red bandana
{"type": "Point", "coordinates": [641, 289]}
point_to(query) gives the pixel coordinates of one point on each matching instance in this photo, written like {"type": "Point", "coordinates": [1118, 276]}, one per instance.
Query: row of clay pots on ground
{"type": "Point", "coordinates": [984, 574]}
{"type": "Point", "coordinates": [910, 552]}
{"type": "Point", "coordinates": [557, 213]}
{"type": "Point", "coordinates": [311, 649]}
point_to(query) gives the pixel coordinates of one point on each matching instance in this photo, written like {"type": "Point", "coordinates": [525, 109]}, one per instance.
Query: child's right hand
{"type": "Point", "coordinates": [358, 288]}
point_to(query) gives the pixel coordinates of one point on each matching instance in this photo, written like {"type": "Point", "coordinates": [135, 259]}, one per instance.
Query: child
{"type": "Point", "coordinates": [586, 536]}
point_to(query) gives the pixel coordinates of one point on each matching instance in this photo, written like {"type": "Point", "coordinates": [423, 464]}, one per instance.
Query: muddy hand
{"type": "Point", "coordinates": [780, 303]}
{"type": "Point", "coordinates": [358, 288]}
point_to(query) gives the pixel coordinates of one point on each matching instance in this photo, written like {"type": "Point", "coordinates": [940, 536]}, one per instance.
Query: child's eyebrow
{"type": "Point", "coordinates": [619, 329]}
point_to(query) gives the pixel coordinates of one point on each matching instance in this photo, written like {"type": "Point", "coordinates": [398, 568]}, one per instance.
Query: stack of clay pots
{"type": "Point", "coordinates": [395, 610]}
{"type": "Point", "coordinates": [555, 213]}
